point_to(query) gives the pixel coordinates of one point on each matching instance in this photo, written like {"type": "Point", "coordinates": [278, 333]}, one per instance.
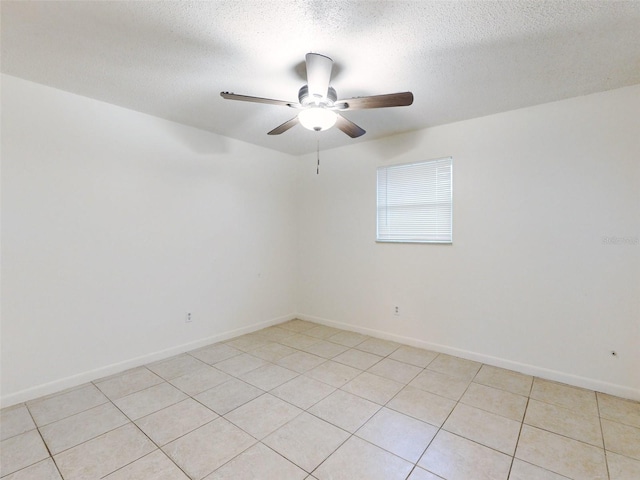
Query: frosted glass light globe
{"type": "Point", "coordinates": [317, 118]}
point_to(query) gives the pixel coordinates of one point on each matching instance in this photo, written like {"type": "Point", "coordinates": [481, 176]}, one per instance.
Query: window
{"type": "Point", "coordinates": [415, 202]}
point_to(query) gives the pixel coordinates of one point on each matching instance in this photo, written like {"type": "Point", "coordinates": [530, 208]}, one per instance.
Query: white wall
{"type": "Point", "coordinates": [528, 282]}
{"type": "Point", "coordinates": [115, 224]}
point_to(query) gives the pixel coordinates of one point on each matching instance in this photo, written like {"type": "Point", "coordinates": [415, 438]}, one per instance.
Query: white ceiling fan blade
{"type": "Point", "coordinates": [318, 74]}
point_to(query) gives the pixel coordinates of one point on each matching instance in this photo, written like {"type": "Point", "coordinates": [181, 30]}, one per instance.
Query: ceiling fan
{"type": "Point", "coordinates": [318, 104]}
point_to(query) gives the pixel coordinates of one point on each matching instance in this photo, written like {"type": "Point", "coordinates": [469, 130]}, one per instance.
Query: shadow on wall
{"type": "Point", "coordinates": [392, 147]}
{"type": "Point", "coordinates": [196, 141]}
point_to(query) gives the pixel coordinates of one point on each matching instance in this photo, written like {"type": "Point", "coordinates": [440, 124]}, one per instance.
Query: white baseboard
{"type": "Point", "coordinates": [575, 380]}
{"type": "Point", "coordinates": [95, 374]}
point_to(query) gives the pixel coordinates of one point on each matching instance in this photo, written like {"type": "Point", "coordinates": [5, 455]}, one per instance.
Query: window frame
{"type": "Point", "coordinates": [447, 241]}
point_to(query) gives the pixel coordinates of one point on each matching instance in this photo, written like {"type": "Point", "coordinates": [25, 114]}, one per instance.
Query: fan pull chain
{"type": "Point", "coordinates": [318, 165]}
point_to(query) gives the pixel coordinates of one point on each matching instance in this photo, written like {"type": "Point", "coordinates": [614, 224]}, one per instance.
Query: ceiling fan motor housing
{"type": "Point", "coordinates": [307, 100]}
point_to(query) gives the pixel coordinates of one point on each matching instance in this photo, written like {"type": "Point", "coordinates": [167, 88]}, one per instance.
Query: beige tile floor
{"type": "Point", "coordinates": [305, 401]}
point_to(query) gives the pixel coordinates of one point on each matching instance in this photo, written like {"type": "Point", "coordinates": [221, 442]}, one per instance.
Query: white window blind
{"type": "Point", "coordinates": [415, 202]}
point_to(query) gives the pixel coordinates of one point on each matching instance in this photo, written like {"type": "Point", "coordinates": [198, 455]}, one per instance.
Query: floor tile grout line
{"type": "Point", "coordinates": [89, 439]}
{"type": "Point", "coordinates": [524, 415]}
{"type": "Point", "coordinates": [52, 456]}
{"type": "Point", "coordinates": [484, 409]}
{"type": "Point", "coordinates": [64, 392]}
{"type": "Point", "coordinates": [565, 436]}
{"type": "Point", "coordinates": [325, 459]}
{"type": "Point", "coordinates": [441, 428]}
{"type": "Point", "coordinates": [161, 447]}
{"type": "Point", "coordinates": [17, 406]}
{"type": "Point", "coordinates": [351, 435]}
{"type": "Point", "coordinates": [238, 454]}
{"type": "Point", "coordinates": [337, 426]}
{"type": "Point", "coordinates": [129, 421]}
{"type": "Point", "coordinates": [45, 445]}
{"type": "Point", "coordinates": [49, 396]}
{"type": "Point", "coordinates": [515, 449]}
{"type": "Point", "coordinates": [522, 422]}
{"type": "Point", "coordinates": [555, 433]}
{"type": "Point", "coordinates": [326, 359]}
{"type": "Point", "coordinates": [140, 458]}
{"type": "Point", "coordinates": [138, 391]}
{"type": "Point", "coordinates": [158, 447]}
{"type": "Point", "coordinates": [234, 408]}
{"type": "Point", "coordinates": [604, 446]}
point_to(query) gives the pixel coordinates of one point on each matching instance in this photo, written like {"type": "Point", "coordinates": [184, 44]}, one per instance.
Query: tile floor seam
{"type": "Point", "coordinates": [337, 426]}
{"type": "Point", "coordinates": [17, 406]}
{"type": "Point", "coordinates": [498, 388]}
{"type": "Point", "coordinates": [513, 458]}
{"type": "Point", "coordinates": [55, 464]}
{"type": "Point", "coordinates": [326, 458]}
{"type": "Point", "coordinates": [604, 451]}
{"type": "Point", "coordinates": [424, 451]}
{"type": "Point", "coordinates": [137, 391]}
{"type": "Point", "coordinates": [137, 459]}
{"type": "Point", "coordinates": [158, 447]}
{"type": "Point", "coordinates": [265, 436]}
{"type": "Point", "coordinates": [84, 441]}
{"type": "Point", "coordinates": [410, 472]}
{"type": "Point", "coordinates": [276, 362]}
{"type": "Point", "coordinates": [545, 469]}
{"type": "Point", "coordinates": [564, 407]}
{"type": "Point", "coordinates": [49, 396]}
{"type": "Point", "coordinates": [440, 428]}
{"type": "Point", "coordinates": [231, 459]}
{"type": "Point", "coordinates": [567, 437]}
{"type": "Point", "coordinates": [350, 435]}
{"type": "Point", "coordinates": [382, 448]}
{"type": "Point", "coordinates": [524, 415]}
{"type": "Point", "coordinates": [211, 364]}
{"type": "Point", "coordinates": [239, 406]}
{"type": "Point", "coordinates": [293, 404]}
{"type": "Point", "coordinates": [604, 445]}
{"type": "Point", "coordinates": [459, 402]}
{"type": "Point", "coordinates": [477, 443]}
{"type": "Point", "coordinates": [68, 416]}
{"type": "Point", "coordinates": [165, 406]}
{"type": "Point", "coordinates": [337, 343]}
{"type": "Point", "coordinates": [195, 399]}
{"type": "Point", "coordinates": [489, 411]}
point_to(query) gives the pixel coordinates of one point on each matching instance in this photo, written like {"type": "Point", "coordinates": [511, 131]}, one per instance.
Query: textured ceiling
{"type": "Point", "coordinates": [461, 59]}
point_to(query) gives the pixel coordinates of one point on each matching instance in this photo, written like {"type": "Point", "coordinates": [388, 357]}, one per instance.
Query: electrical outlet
{"type": "Point", "coordinates": [188, 318]}
{"type": "Point", "coordinates": [396, 311]}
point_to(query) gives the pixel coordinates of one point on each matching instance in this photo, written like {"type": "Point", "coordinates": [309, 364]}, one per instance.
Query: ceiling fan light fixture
{"type": "Point", "coordinates": [318, 101]}
{"type": "Point", "coordinates": [317, 118]}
